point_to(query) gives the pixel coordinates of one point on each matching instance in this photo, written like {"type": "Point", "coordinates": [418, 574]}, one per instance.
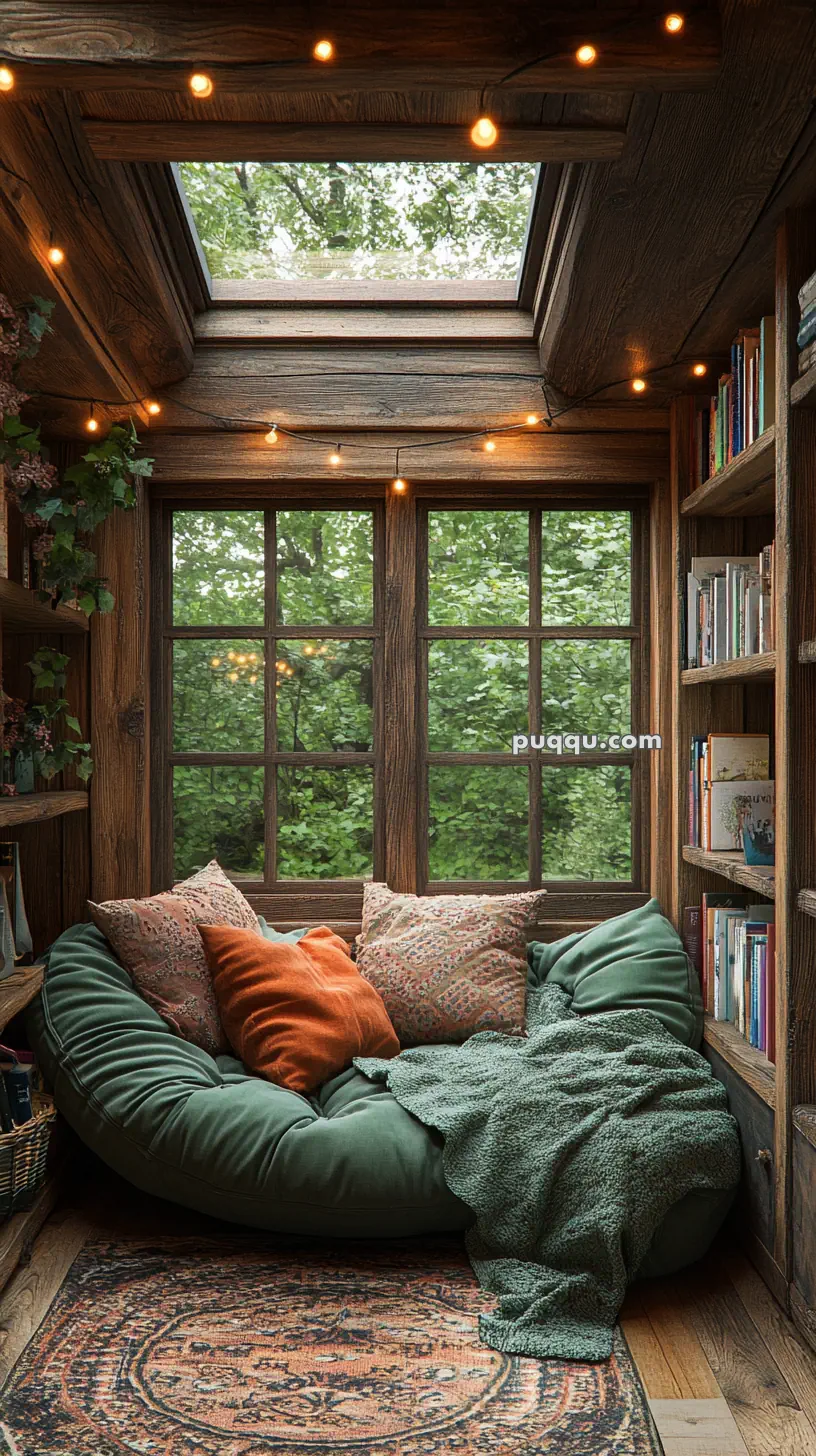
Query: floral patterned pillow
{"type": "Point", "coordinates": [158, 943]}
{"type": "Point", "coordinates": [447, 966]}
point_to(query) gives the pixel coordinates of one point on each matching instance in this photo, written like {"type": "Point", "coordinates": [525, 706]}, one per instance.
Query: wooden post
{"type": "Point", "coordinates": [120, 817]}
{"type": "Point", "coordinates": [400, 691]}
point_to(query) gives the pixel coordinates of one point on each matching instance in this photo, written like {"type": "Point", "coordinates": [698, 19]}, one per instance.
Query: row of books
{"type": "Point", "coordinates": [806, 336]}
{"type": "Point", "coordinates": [18, 1074]}
{"type": "Point", "coordinates": [730, 610]}
{"type": "Point", "coordinates": [732, 942]}
{"type": "Point", "coordinates": [730, 790]}
{"type": "Point", "coordinates": [744, 406]}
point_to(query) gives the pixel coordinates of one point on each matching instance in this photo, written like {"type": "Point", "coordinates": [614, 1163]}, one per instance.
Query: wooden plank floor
{"type": "Point", "coordinates": [724, 1370]}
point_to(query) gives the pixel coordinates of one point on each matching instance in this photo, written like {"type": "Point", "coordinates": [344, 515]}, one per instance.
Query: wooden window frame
{"type": "Point", "coordinates": [401, 634]}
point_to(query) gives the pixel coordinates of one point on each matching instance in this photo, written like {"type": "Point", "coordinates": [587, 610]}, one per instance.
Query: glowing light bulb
{"type": "Point", "coordinates": [700, 370]}
{"type": "Point", "coordinates": [638, 385]}
{"type": "Point", "coordinates": [334, 458]}
{"type": "Point", "coordinates": [399, 486]}
{"type": "Point", "coordinates": [232, 677]}
{"type": "Point", "coordinates": [230, 657]}
{"type": "Point", "coordinates": [253, 677]}
{"type": "Point", "coordinates": [484, 132]}
{"type": "Point", "coordinates": [532, 419]}
{"type": "Point", "coordinates": [271, 436]}
{"type": "Point", "coordinates": [586, 55]}
{"type": "Point", "coordinates": [92, 423]}
{"type": "Point", "coordinates": [215, 662]}
{"type": "Point", "coordinates": [241, 657]}
{"type": "Point", "coordinates": [674, 23]}
{"type": "Point", "coordinates": [323, 51]}
{"type": "Point", "coordinates": [308, 651]}
{"type": "Point", "coordinates": [490, 446]}
{"type": "Point", "coordinates": [201, 85]}
{"type": "Point", "coordinates": [56, 256]}
{"type": "Point", "coordinates": [253, 657]}
{"type": "Point", "coordinates": [6, 79]}
{"type": "Point", "coordinates": [153, 407]}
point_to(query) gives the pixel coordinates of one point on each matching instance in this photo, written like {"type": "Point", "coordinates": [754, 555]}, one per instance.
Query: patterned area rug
{"type": "Point", "coordinates": [248, 1347]}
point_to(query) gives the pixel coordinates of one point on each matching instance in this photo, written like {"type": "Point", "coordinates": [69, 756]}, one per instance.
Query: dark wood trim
{"type": "Point", "coordinates": [803, 390]}
{"type": "Point", "coordinates": [661, 679]}
{"type": "Point", "coordinates": [256, 141]}
{"type": "Point", "coordinates": [400, 691]}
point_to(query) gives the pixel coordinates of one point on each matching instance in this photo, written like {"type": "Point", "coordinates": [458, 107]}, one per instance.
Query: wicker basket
{"type": "Point", "coordinates": [23, 1155]}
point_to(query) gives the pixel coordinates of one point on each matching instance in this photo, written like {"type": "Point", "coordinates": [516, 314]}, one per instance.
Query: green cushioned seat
{"type": "Point", "coordinates": [348, 1161]}
{"type": "Point", "coordinates": [166, 1116]}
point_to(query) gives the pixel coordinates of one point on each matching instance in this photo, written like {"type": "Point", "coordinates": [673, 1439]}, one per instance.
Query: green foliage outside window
{"type": "Point", "coordinates": [478, 692]}
{"type": "Point", "coordinates": [361, 219]}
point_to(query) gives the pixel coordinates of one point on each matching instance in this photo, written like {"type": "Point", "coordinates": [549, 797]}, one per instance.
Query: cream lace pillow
{"type": "Point", "coordinates": [447, 966]}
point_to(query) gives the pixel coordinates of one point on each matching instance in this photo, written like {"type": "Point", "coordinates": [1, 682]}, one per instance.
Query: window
{"type": "Point", "coordinates": [361, 220]}
{"type": "Point", "coordinates": [270, 692]}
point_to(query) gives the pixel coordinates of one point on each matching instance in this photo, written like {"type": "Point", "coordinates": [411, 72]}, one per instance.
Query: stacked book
{"type": "Point", "coordinates": [730, 790]}
{"type": "Point", "coordinates": [732, 942]}
{"type": "Point", "coordinates": [744, 406]}
{"type": "Point", "coordinates": [729, 607]}
{"type": "Point", "coordinates": [806, 337]}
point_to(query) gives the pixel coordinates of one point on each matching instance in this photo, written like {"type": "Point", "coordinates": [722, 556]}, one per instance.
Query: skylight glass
{"type": "Point", "coordinates": [358, 220]}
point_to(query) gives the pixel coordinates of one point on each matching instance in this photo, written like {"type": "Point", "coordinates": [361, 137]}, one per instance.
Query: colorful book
{"type": "Point", "coordinates": [730, 803]}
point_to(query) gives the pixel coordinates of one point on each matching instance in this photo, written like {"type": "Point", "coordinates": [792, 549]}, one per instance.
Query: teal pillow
{"type": "Point", "coordinates": [289, 937]}
{"type": "Point", "coordinates": [636, 960]}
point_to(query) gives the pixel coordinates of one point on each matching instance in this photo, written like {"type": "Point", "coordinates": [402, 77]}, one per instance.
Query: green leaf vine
{"type": "Point", "coordinates": [64, 512]}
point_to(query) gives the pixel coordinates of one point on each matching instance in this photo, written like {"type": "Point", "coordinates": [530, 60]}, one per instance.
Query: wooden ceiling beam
{"type": "Point", "coordinates": [84, 45]}
{"type": "Point", "coordinates": [238, 141]}
{"type": "Point", "coordinates": [114, 281]}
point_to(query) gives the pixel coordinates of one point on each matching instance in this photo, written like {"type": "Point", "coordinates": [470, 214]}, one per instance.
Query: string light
{"type": "Point", "coordinates": [6, 79]}
{"type": "Point", "coordinates": [586, 55]}
{"type": "Point", "coordinates": [674, 23]}
{"type": "Point", "coordinates": [56, 255]}
{"type": "Point", "coordinates": [490, 446]}
{"type": "Point", "coordinates": [201, 85]}
{"type": "Point", "coordinates": [700, 370]}
{"type": "Point", "coordinates": [399, 486]}
{"type": "Point", "coordinates": [484, 132]}
{"type": "Point", "coordinates": [532, 419]}
{"type": "Point", "coordinates": [323, 51]}
{"type": "Point", "coordinates": [92, 423]}
{"type": "Point", "coordinates": [153, 407]}
{"type": "Point", "coordinates": [334, 458]}
{"type": "Point", "coordinates": [271, 436]}
{"type": "Point", "coordinates": [638, 385]}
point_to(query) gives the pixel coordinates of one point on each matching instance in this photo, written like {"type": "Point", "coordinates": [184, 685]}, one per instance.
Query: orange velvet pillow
{"type": "Point", "coordinates": [295, 1013]}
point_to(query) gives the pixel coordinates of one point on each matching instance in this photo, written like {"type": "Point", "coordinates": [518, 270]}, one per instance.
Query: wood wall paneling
{"type": "Point", "coordinates": [120, 823]}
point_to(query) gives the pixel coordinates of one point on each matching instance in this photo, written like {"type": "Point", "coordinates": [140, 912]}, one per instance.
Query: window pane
{"type": "Point", "coordinates": [478, 563]}
{"type": "Point", "coordinates": [478, 823]}
{"type": "Point", "coordinates": [218, 696]}
{"type": "Point", "coordinates": [218, 568]}
{"type": "Point", "coordinates": [325, 823]}
{"type": "Point", "coordinates": [586, 687]}
{"type": "Point", "coordinates": [325, 696]}
{"type": "Point", "coordinates": [325, 568]}
{"type": "Point", "coordinates": [477, 695]}
{"type": "Point", "coordinates": [587, 828]}
{"type": "Point", "coordinates": [586, 568]}
{"type": "Point", "coordinates": [218, 813]}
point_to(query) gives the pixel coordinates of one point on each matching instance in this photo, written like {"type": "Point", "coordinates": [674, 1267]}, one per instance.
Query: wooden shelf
{"type": "Point", "coordinates": [806, 901]}
{"type": "Point", "coordinates": [804, 1120]}
{"type": "Point", "coordinates": [20, 611]}
{"type": "Point", "coordinates": [31, 808]}
{"type": "Point", "coordinates": [732, 866]}
{"type": "Point", "coordinates": [803, 389]}
{"type": "Point", "coordinates": [752, 1065]}
{"type": "Point", "coordinates": [746, 487]}
{"type": "Point", "coordinates": [807, 651]}
{"type": "Point", "coordinates": [17, 990]}
{"type": "Point", "coordinates": [759, 668]}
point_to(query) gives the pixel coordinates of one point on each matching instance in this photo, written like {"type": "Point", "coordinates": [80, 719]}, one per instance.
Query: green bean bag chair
{"type": "Point", "coordinates": [347, 1161]}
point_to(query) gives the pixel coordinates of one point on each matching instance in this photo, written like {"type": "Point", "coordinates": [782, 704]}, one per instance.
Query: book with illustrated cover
{"type": "Point", "coordinates": [738, 756]}
{"type": "Point", "coordinates": [730, 803]}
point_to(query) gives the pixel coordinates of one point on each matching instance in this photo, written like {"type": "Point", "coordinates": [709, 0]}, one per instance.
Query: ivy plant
{"type": "Point", "coordinates": [32, 729]}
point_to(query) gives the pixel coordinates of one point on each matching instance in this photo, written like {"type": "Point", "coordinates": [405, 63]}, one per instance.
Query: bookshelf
{"type": "Point", "coordinates": [767, 493]}
{"type": "Point", "coordinates": [759, 668]}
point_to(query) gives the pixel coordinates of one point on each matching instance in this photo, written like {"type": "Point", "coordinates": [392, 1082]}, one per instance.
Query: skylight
{"type": "Point", "coordinates": [361, 220]}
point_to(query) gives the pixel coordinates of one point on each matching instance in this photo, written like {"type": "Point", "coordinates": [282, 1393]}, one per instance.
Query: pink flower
{"type": "Point", "coordinates": [12, 399]}
{"type": "Point", "coordinates": [9, 790]}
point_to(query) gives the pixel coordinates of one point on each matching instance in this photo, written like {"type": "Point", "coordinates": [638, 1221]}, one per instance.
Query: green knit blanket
{"type": "Point", "coordinates": [569, 1145]}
